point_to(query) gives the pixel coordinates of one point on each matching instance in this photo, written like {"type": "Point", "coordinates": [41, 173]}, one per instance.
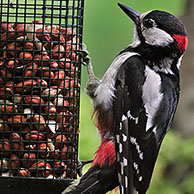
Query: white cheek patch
{"type": "Point", "coordinates": [157, 37]}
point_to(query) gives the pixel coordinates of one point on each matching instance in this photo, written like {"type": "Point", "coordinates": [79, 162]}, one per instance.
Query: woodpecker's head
{"type": "Point", "coordinates": [158, 29]}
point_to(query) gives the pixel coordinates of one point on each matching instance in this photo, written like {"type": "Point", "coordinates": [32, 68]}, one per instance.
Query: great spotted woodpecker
{"type": "Point", "coordinates": [135, 103]}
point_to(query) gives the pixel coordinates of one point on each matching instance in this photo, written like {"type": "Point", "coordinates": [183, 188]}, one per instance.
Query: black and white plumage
{"type": "Point", "coordinates": [138, 95]}
{"type": "Point", "coordinates": [147, 107]}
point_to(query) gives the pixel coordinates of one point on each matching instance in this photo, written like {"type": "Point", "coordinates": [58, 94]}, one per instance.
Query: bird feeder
{"type": "Point", "coordinates": [40, 66]}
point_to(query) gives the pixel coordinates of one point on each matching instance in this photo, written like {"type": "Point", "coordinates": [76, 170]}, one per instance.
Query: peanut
{"type": "Point", "coordinates": [25, 85]}
{"type": "Point", "coordinates": [13, 63]}
{"type": "Point", "coordinates": [4, 127]}
{"type": "Point", "coordinates": [57, 36]}
{"type": "Point", "coordinates": [60, 141]}
{"type": "Point", "coordinates": [47, 73]}
{"type": "Point", "coordinates": [25, 57]}
{"type": "Point", "coordinates": [58, 51]}
{"type": "Point", "coordinates": [50, 110]}
{"type": "Point", "coordinates": [5, 26]}
{"type": "Point", "coordinates": [36, 100]}
{"type": "Point", "coordinates": [49, 93]}
{"type": "Point", "coordinates": [31, 70]}
{"type": "Point", "coordinates": [13, 49]}
{"type": "Point", "coordinates": [29, 46]}
{"type": "Point", "coordinates": [41, 166]}
{"type": "Point", "coordinates": [36, 106]}
{"type": "Point", "coordinates": [42, 59]}
{"type": "Point", "coordinates": [39, 121]}
{"type": "Point", "coordinates": [5, 147]}
{"type": "Point", "coordinates": [43, 150]}
{"type": "Point", "coordinates": [43, 34]}
{"type": "Point", "coordinates": [35, 136]}
{"type": "Point", "coordinates": [42, 83]}
{"type": "Point", "coordinates": [14, 163]}
{"type": "Point", "coordinates": [20, 29]}
{"type": "Point", "coordinates": [17, 120]}
{"type": "Point", "coordinates": [28, 159]}
{"type": "Point", "coordinates": [59, 168]}
{"type": "Point", "coordinates": [24, 173]}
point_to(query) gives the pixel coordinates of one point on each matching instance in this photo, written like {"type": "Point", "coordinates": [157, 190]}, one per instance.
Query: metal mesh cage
{"type": "Point", "coordinates": [40, 68]}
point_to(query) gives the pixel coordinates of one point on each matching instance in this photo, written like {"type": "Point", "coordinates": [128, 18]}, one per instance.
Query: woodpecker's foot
{"type": "Point", "coordinates": [80, 166]}
{"type": "Point", "coordinates": [86, 59]}
{"type": "Point", "coordinates": [93, 81]}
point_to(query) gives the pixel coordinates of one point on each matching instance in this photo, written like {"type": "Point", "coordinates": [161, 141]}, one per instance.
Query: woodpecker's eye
{"type": "Point", "coordinates": [148, 23]}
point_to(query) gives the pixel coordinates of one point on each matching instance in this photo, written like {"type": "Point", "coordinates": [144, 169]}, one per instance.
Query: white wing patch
{"type": "Point", "coordinates": [151, 95]}
{"type": "Point", "coordinates": [124, 138]}
{"type": "Point", "coordinates": [122, 189]}
{"type": "Point", "coordinates": [105, 91]}
{"type": "Point", "coordinates": [120, 126]}
{"type": "Point", "coordinates": [140, 178]}
{"type": "Point", "coordinates": [124, 118]}
{"type": "Point", "coordinates": [126, 182]}
{"type": "Point", "coordinates": [125, 161]}
{"type": "Point", "coordinates": [133, 141]}
{"type": "Point", "coordinates": [120, 148]}
{"type": "Point", "coordinates": [136, 167]}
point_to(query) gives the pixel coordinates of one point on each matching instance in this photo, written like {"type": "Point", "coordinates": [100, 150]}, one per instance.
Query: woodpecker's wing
{"type": "Point", "coordinates": [143, 107]}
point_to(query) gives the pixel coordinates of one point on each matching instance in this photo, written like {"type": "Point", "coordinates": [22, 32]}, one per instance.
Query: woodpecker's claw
{"type": "Point", "coordinates": [86, 59]}
{"type": "Point", "coordinates": [93, 81]}
{"type": "Point", "coordinates": [80, 166]}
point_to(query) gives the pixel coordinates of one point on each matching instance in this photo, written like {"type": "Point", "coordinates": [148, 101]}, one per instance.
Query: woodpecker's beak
{"type": "Point", "coordinates": [134, 15]}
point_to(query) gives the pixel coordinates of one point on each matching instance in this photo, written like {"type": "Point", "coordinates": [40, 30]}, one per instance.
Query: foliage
{"type": "Point", "coordinates": [174, 171]}
{"type": "Point", "coordinates": [89, 139]}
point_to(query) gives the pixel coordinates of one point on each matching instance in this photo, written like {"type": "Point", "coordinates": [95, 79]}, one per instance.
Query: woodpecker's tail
{"type": "Point", "coordinates": [102, 176]}
{"type": "Point", "coordinates": [96, 181]}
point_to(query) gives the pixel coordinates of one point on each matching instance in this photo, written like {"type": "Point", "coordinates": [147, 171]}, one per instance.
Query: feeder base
{"type": "Point", "coordinates": [10, 185]}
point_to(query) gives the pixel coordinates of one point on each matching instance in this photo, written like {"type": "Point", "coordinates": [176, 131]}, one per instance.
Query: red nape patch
{"type": "Point", "coordinates": [182, 42]}
{"type": "Point", "coordinates": [105, 153]}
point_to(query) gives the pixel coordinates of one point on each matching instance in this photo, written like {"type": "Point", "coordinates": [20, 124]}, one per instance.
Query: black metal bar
{"type": "Point", "coordinates": [10, 185]}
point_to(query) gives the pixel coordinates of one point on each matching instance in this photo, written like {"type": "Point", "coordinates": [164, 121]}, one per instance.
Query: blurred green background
{"type": "Point", "coordinates": [107, 30]}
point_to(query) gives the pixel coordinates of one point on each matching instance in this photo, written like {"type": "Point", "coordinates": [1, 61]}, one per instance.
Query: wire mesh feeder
{"type": "Point", "coordinates": [39, 94]}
